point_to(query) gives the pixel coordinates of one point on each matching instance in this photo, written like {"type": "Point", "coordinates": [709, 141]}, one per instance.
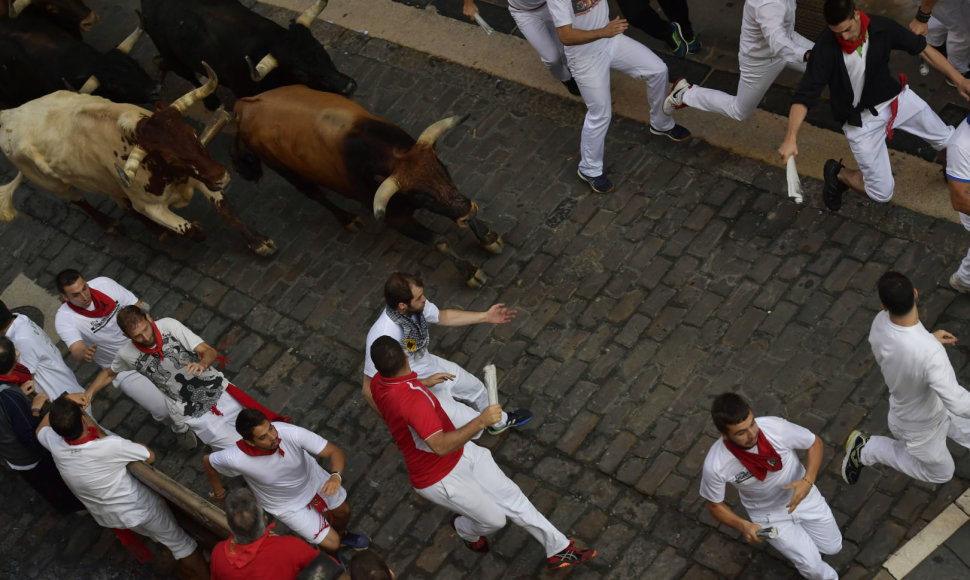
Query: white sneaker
{"type": "Point", "coordinates": [957, 285]}
{"type": "Point", "coordinates": [675, 98]}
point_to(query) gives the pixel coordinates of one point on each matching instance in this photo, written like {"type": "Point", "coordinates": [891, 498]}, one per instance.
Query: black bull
{"type": "Point", "coordinates": [225, 34]}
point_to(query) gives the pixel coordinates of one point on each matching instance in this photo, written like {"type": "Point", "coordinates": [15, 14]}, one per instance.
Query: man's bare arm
{"type": "Point", "coordinates": [445, 442]}
{"type": "Point", "coordinates": [726, 516]}
{"type": "Point", "coordinates": [570, 36]}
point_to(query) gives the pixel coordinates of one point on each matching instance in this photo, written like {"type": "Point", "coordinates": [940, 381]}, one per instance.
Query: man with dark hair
{"type": "Point", "coordinates": [278, 461]}
{"type": "Point", "coordinates": [94, 466]}
{"type": "Point", "coordinates": [86, 323]}
{"type": "Point", "coordinates": [253, 552]}
{"type": "Point", "coordinates": [405, 317]}
{"type": "Point", "coordinates": [179, 363]}
{"type": "Point", "coordinates": [19, 447]}
{"type": "Point", "coordinates": [37, 354]}
{"type": "Point", "coordinates": [852, 59]}
{"type": "Point", "coordinates": [926, 402]}
{"type": "Point", "coordinates": [757, 456]}
{"type": "Point", "coordinates": [446, 468]}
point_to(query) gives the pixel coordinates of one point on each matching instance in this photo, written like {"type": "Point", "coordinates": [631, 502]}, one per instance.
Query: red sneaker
{"type": "Point", "coordinates": [569, 557]}
{"type": "Point", "coordinates": [480, 546]}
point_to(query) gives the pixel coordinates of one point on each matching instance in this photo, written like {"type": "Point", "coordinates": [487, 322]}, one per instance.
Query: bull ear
{"type": "Point", "coordinates": [436, 130]}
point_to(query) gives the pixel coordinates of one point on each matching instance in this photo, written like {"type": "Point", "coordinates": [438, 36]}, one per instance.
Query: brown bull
{"type": "Point", "coordinates": [321, 140]}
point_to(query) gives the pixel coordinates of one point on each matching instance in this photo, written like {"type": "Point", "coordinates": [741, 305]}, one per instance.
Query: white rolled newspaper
{"type": "Point", "coordinates": [481, 22]}
{"type": "Point", "coordinates": [491, 384]}
{"type": "Point", "coordinates": [794, 184]}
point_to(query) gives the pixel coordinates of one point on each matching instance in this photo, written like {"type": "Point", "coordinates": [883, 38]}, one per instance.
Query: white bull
{"type": "Point", "coordinates": [67, 143]}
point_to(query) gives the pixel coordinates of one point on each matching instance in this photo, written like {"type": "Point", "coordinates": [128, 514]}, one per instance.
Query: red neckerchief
{"type": "Point", "coordinates": [103, 305]}
{"type": "Point", "coordinates": [254, 451]}
{"type": "Point", "coordinates": [850, 47]}
{"type": "Point", "coordinates": [18, 376]}
{"type": "Point", "coordinates": [157, 349]}
{"type": "Point", "coordinates": [239, 555]}
{"type": "Point", "coordinates": [760, 463]}
{"type": "Point", "coordinates": [92, 434]}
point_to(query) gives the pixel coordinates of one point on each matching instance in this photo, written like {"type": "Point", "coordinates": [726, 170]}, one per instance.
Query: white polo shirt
{"type": "Point", "coordinates": [104, 331]}
{"type": "Point", "coordinates": [281, 483]}
{"type": "Point", "coordinates": [583, 15]}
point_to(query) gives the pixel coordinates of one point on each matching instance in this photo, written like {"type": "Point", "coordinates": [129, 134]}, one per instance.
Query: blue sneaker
{"type": "Point", "coordinates": [354, 540]}
{"type": "Point", "coordinates": [600, 183]}
{"type": "Point", "coordinates": [680, 44]}
{"type": "Point", "coordinates": [694, 45]}
{"type": "Point", "coordinates": [675, 133]}
{"type": "Point", "coordinates": [516, 419]}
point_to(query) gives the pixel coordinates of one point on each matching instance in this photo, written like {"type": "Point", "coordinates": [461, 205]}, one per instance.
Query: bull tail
{"type": "Point", "coordinates": [245, 161]}
{"type": "Point", "coordinates": [7, 211]}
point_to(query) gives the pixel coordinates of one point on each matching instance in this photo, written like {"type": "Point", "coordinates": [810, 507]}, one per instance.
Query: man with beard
{"type": "Point", "coordinates": [278, 461]}
{"type": "Point", "coordinates": [405, 317]}
{"type": "Point", "coordinates": [757, 456]}
{"type": "Point", "coordinates": [179, 363]}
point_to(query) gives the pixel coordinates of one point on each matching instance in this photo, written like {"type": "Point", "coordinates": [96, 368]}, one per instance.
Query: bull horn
{"type": "Point", "coordinates": [436, 130]}
{"type": "Point", "coordinates": [189, 98]}
{"type": "Point", "coordinates": [135, 158]}
{"type": "Point", "coordinates": [18, 7]}
{"type": "Point", "coordinates": [90, 85]}
{"type": "Point", "coordinates": [311, 13]}
{"type": "Point", "coordinates": [129, 43]}
{"type": "Point", "coordinates": [262, 68]}
{"type": "Point", "coordinates": [385, 192]}
{"type": "Point", "coordinates": [219, 119]}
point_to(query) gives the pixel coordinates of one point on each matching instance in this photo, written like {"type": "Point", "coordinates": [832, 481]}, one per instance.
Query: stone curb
{"type": "Point", "coordinates": [919, 548]}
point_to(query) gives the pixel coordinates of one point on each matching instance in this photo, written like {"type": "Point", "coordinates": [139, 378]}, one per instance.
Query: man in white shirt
{"type": "Point", "coordinates": [94, 466]}
{"type": "Point", "coordinates": [769, 43]}
{"type": "Point", "coordinates": [38, 353]}
{"type": "Point", "coordinates": [926, 403]}
{"type": "Point", "coordinates": [86, 323]}
{"type": "Point", "coordinates": [757, 456]}
{"type": "Point", "coordinates": [405, 318]}
{"type": "Point", "coordinates": [958, 181]}
{"type": "Point", "coordinates": [278, 461]}
{"type": "Point", "coordinates": [953, 17]}
{"type": "Point", "coordinates": [594, 45]}
{"type": "Point", "coordinates": [179, 363]}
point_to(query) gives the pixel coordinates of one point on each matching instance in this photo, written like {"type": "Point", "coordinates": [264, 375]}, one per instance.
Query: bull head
{"type": "Point", "coordinates": [391, 185]}
{"type": "Point", "coordinates": [138, 153]}
{"type": "Point", "coordinates": [269, 62]}
{"type": "Point", "coordinates": [72, 12]}
{"type": "Point", "coordinates": [124, 47]}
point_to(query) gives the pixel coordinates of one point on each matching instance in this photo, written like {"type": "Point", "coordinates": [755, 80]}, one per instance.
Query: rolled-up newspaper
{"type": "Point", "coordinates": [481, 22]}
{"type": "Point", "coordinates": [491, 384]}
{"type": "Point", "coordinates": [794, 184]}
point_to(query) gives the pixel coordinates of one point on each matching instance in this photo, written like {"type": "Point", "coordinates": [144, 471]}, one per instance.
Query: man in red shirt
{"type": "Point", "coordinates": [254, 552]}
{"type": "Point", "coordinates": [446, 468]}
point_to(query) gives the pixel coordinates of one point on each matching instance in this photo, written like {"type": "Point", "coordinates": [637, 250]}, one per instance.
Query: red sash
{"type": "Point", "coordinates": [849, 47]}
{"type": "Point", "coordinates": [103, 305]}
{"type": "Point", "coordinates": [157, 349]}
{"type": "Point", "coordinates": [254, 451]}
{"type": "Point", "coordinates": [250, 403]}
{"type": "Point", "coordinates": [18, 376]}
{"type": "Point", "coordinates": [894, 106]}
{"type": "Point", "coordinates": [133, 544]}
{"type": "Point", "coordinates": [91, 433]}
{"type": "Point", "coordinates": [760, 463]}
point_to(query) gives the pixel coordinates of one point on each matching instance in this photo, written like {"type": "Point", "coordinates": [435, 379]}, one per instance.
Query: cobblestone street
{"type": "Point", "coordinates": [696, 276]}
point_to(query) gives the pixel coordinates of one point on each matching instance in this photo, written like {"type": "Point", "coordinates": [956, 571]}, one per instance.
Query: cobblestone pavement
{"type": "Point", "coordinates": [694, 277]}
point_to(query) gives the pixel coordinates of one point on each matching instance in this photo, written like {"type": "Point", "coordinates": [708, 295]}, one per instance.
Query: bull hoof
{"type": "Point", "coordinates": [495, 247]}
{"type": "Point", "coordinates": [354, 225]}
{"type": "Point", "coordinates": [477, 280]}
{"type": "Point", "coordinates": [266, 248]}
{"type": "Point", "coordinates": [195, 233]}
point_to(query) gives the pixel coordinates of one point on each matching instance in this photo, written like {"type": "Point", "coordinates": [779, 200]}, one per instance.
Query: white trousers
{"type": "Point", "coordinates": [537, 27]}
{"type": "Point", "coordinates": [868, 142]}
{"type": "Point", "coordinates": [144, 392]}
{"type": "Point", "coordinates": [307, 522]}
{"type": "Point", "coordinates": [963, 273]}
{"type": "Point", "coordinates": [160, 525]}
{"type": "Point", "coordinates": [218, 431]}
{"type": "Point", "coordinates": [463, 398]}
{"type": "Point", "coordinates": [954, 16]}
{"type": "Point", "coordinates": [592, 74]}
{"type": "Point", "coordinates": [480, 492]}
{"type": "Point", "coordinates": [920, 453]}
{"type": "Point", "coordinates": [805, 534]}
{"type": "Point", "coordinates": [757, 74]}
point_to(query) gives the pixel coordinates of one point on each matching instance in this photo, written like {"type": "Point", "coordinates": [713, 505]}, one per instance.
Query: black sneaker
{"type": "Point", "coordinates": [479, 546]}
{"type": "Point", "coordinates": [676, 133]}
{"type": "Point", "coordinates": [516, 419]}
{"type": "Point", "coordinates": [600, 183]}
{"type": "Point", "coordinates": [572, 87]}
{"type": "Point", "coordinates": [833, 189]}
{"type": "Point", "coordinates": [852, 463]}
{"type": "Point", "coordinates": [569, 557]}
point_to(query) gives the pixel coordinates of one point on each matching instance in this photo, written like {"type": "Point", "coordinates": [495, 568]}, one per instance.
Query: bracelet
{"type": "Point", "coordinates": [805, 479]}
{"type": "Point", "coordinates": [337, 473]}
{"type": "Point", "coordinates": [921, 16]}
{"type": "Point", "coordinates": [221, 495]}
